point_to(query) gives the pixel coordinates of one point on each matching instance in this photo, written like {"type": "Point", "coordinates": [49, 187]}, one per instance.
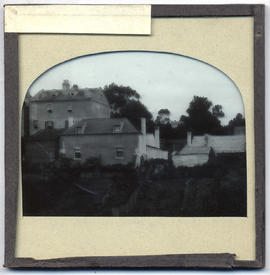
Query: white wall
{"type": "Point", "coordinates": [189, 160]}
{"type": "Point", "coordinates": [222, 144]}
{"type": "Point", "coordinates": [155, 153]}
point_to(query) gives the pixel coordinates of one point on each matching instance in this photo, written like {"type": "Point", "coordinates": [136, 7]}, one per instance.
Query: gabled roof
{"type": "Point", "coordinates": [194, 150]}
{"type": "Point", "coordinates": [47, 134]}
{"type": "Point", "coordinates": [95, 94]}
{"type": "Point", "coordinates": [99, 126]}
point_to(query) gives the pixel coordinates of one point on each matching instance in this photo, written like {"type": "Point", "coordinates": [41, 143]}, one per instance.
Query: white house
{"type": "Point", "coordinates": [199, 148]}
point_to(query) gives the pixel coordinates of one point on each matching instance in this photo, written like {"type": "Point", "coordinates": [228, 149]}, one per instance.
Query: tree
{"type": "Point", "coordinates": [134, 111]}
{"type": "Point", "coordinates": [201, 118]}
{"type": "Point", "coordinates": [119, 96]}
{"type": "Point", "coordinates": [217, 111]}
{"type": "Point", "coordinates": [125, 102]}
{"type": "Point", "coordinates": [238, 120]}
{"type": "Point", "coordinates": [163, 116]}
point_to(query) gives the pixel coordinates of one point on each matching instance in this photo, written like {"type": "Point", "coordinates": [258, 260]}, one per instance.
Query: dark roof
{"type": "Point", "coordinates": [102, 126]}
{"type": "Point", "coordinates": [95, 94]}
{"type": "Point", "coordinates": [47, 134]}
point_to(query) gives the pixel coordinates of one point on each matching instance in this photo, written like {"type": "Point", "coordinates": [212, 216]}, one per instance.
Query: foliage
{"type": "Point", "coordinates": [29, 166]}
{"type": "Point", "coordinates": [201, 118]}
{"type": "Point", "coordinates": [163, 117]}
{"type": "Point", "coordinates": [239, 120]}
{"type": "Point", "coordinates": [119, 96]}
{"type": "Point", "coordinates": [125, 102]}
{"type": "Point", "coordinates": [217, 111]}
{"type": "Point", "coordinates": [123, 183]}
{"type": "Point", "coordinates": [91, 163]}
{"type": "Point", "coordinates": [134, 111]}
{"type": "Point", "coordinates": [217, 188]}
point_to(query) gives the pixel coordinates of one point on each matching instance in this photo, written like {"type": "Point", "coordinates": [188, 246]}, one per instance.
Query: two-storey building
{"type": "Point", "coordinates": [59, 109]}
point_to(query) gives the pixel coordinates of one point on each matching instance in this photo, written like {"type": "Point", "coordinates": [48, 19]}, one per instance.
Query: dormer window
{"type": "Point", "coordinates": [69, 108]}
{"type": "Point", "coordinates": [49, 108]}
{"type": "Point", "coordinates": [117, 128]}
{"type": "Point", "coordinates": [78, 130]}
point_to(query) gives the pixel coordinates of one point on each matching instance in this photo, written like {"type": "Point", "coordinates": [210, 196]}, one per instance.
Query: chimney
{"type": "Point", "coordinates": [70, 121]}
{"type": "Point", "coordinates": [142, 139]}
{"type": "Point", "coordinates": [157, 137]}
{"type": "Point", "coordinates": [206, 139]}
{"type": "Point", "coordinates": [143, 126]}
{"type": "Point", "coordinates": [189, 138]}
{"type": "Point", "coordinates": [65, 85]}
{"type": "Point", "coordinates": [75, 87]}
{"type": "Point", "coordinates": [62, 148]}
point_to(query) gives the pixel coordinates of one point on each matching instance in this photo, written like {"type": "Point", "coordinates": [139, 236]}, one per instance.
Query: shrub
{"type": "Point", "coordinates": [92, 163]}
{"type": "Point", "coordinates": [31, 167]}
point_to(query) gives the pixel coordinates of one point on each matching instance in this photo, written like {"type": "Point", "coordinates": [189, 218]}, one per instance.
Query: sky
{"type": "Point", "coordinates": [163, 80]}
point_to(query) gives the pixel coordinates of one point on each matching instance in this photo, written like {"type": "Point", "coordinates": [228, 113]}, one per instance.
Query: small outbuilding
{"type": "Point", "coordinates": [192, 156]}
{"type": "Point", "coordinates": [199, 149]}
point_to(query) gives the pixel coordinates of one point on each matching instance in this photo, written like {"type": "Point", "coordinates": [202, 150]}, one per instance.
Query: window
{"type": "Point", "coordinates": [77, 153]}
{"type": "Point", "coordinates": [119, 152]}
{"type": "Point", "coordinates": [66, 123]}
{"type": "Point", "coordinates": [69, 109]}
{"type": "Point", "coordinates": [49, 108]}
{"type": "Point", "coordinates": [116, 128]}
{"type": "Point", "coordinates": [35, 124]}
{"type": "Point", "coordinates": [78, 130]}
{"type": "Point", "coordinates": [49, 124]}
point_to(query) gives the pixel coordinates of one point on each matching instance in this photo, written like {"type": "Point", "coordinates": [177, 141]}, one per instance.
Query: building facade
{"type": "Point", "coordinates": [60, 109]}
{"type": "Point", "coordinates": [199, 149]}
{"type": "Point", "coordinates": [113, 141]}
{"type": "Point", "coordinates": [75, 123]}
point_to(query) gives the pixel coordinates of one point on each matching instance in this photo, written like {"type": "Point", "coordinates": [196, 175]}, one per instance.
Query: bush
{"type": "Point", "coordinates": [92, 163]}
{"type": "Point", "coordinates": [31, 167]}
